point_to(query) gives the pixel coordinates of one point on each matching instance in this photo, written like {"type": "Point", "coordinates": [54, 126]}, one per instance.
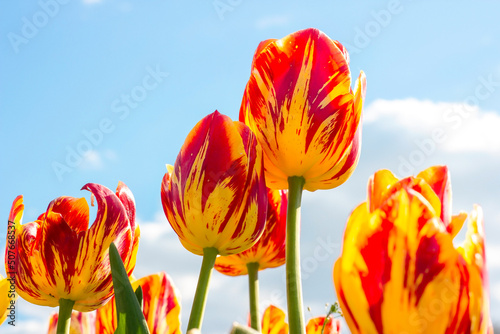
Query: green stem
{"type": "Point", "coordinates": [240, 329]}
{"type": "Point", "coordinates": [64, 318]}
{"type": "Point", "coordinates": [200, 297]}
{"type": "Point", "coordinates": [253, 288]}
{"type": "Point", "coordinates": [293, 281]}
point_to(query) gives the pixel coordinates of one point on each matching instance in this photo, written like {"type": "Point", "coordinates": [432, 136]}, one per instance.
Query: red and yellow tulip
{"type": "Point", "coordinates": [399, 271]}
{"type": "Point", "coordinates": [273, 322]}
{"type": "Point", "coordinates": [318, 326]}
{"type": "Point", "coordinates": [81, 323]}
{"type": "Point", "coordinates": [161, 307]}
{"type": "Point", "coordinates": [269, 251]}
{"type": "Point", "coordinates": [60, 257]}
{"type": "Point", "coordinates": [299, 103]}
{"type": "Point", "coordinates": [215, 194]}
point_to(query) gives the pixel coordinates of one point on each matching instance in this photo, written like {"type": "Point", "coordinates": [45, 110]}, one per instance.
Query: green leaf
{"type": "Point", "coordinates": [130, 317]}
{"type": "Point", "coordinates": [138, 294]}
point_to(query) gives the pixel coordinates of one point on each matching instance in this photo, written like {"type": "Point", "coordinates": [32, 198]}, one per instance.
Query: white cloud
{"type": "Point", "coordinates": [272, 21]}
{"type": "Point", "coordinates": [95, 160]}
{"type": "Point", "coordinates": [493, 256]}
{"type": "Point", "coordinates": [91, 160]}
{"type": "Point", "coordinates": [156, 230]}
{"type": "Point", "coordinates": [456, 127]}
{"type": "Point", "coordinates": [495, 293]}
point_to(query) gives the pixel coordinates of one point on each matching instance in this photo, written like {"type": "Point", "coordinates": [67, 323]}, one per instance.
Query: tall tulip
{"type": "Point", "coordinates": [300, 105]}
{"type": "Point", "coordinates": [161, 306]}
{"type": "Point", "coordinates": [268, 252]}
{"type": "Point", "coordinates": [214, 196]}
{"type": "Point", "coordinates": [399, 270]}
{"type": "Point", "coordinates": [61, 261]}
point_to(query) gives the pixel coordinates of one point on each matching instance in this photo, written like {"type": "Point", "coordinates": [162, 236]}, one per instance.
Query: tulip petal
{"type": "Point", "coordinates": [378, 186]}
{"type": "Point", "coordinates": [456, 223]}
{"type": "Point", "coordinates": [273, 321]}
{"type": "Point", "coordinates": [128, 201]}
{"type": "Point", "coordinates": [16, 211]}
{"type": "Point", "coordinates": [474, 254]}
{"type": "Point", "coordinates": [4, 298]}
{"type": "Point", "coordinates": [74, 211]}
{"type": "Point", "coordinates": [438, 177]}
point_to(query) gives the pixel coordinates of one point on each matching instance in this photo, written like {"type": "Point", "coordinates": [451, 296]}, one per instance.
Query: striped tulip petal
{"type": "Point", "coordinates": [215, 194]}
{"type": "Point", "coordinates": [299, 103]}
{"type": "Point", "coordinates": [269, 251]}
{"type": "Point", "coordinates": [59, 256]}
{"type": "Point", "coordinates": [399, 271]}
{"type": "Point", "coordinates": [81, 323]}
{"type": "Point", "coordinates": [161, 307]}
{"type": "Point", "coordinates": [438, 177]}
{"type": "Point", "coordinates": [473, 252]}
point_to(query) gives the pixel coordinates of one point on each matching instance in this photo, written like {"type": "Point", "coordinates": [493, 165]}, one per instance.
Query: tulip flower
{"type": "Point", "coordinates": [81, 323]}
{"type": "Point", "coordinates": [273, 322]}
{"type": "Point", "coordinates": [399, 271]}
{"type": "Point", "coordinates": [300, 105]}
{"type": "Point", "coordinates": [61, 261]}
{"type": "Point", "coordinates": [318, 326]}
{"type": "Point", "coordinates": [161, 307]}
{"type": "Point", "coordinates": [268, 252]}
{"type": "Point", "coordinates": [214, 196]}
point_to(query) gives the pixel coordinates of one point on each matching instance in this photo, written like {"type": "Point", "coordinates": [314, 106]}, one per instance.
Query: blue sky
{"type": "Point", "coordinates": [107, 90]}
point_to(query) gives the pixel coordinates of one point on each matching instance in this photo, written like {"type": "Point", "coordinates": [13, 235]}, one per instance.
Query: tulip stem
{"type": "Point", "coordinates": [253, 287]}
{"type": "Point", "coordinates": [293, 280]}
{"type": "Point", "coordinates": [200, 296]}
{"type": "Point", "coordinates": [64, 317]}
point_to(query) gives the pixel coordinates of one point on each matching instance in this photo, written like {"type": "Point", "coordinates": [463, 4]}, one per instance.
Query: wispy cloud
{"type": "Point", "coordinates": [95, 160]}
{"type": "Point", "coordinates": [90, 2]}
{"type": "Point", "coordinates": [462, 127]}
{"type": "Point", "coordinates": [91, 160]}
